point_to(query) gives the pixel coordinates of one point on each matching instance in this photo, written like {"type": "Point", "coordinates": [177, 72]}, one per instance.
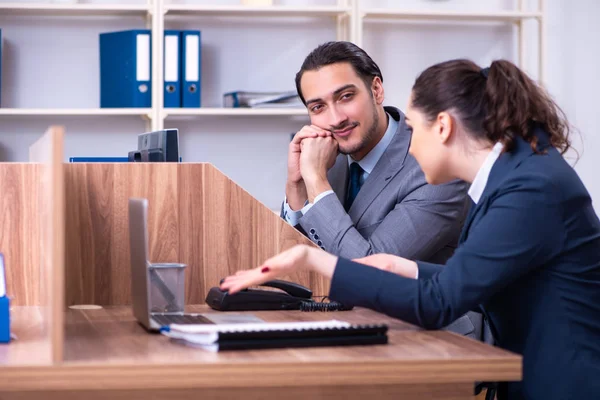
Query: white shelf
{"type": "Point", "coordinates": [350, 24]}
{"type": "Point", "coordinates": [503, 16]}
{"type": "Point", "coordinates": [189, 112]}
{"type": "Point", "coordinates": [167, 112]}
{"type": "Point", "coordinates": [74, 111]}
{"type": "Point", "coordinates": [72, 9]}
{"type": "Point", "coordinates": [250, 11]}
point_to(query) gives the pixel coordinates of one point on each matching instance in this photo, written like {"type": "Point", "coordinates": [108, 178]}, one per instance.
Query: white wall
{"type": "Point", "coordinates": [573, 79]}
{"type": "Point", "coordinates": [53, 62]}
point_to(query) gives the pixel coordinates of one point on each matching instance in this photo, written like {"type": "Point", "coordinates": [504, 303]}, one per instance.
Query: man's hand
{"type": "Point", "coordinates": [316, 158]}
{"type": "Point", "coordinates": [308, 131]}
{"type": "Point", "coordinates": [295, 188]}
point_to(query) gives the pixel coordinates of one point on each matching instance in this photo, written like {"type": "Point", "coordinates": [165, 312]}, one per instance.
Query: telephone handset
{"type": "Point", "coordinates": [291, 297]}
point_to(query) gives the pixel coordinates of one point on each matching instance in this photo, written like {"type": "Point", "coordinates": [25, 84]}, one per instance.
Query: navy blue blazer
{"type": "Point", "coordinates": [529, 256]}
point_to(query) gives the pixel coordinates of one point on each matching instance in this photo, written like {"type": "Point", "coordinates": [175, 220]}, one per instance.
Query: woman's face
{"type": "Point", "coordinates": [428, 144]}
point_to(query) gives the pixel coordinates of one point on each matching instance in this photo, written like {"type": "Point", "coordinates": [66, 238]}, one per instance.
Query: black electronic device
{"type": "Point", "coordinates": [157, 146]}
{"type": "Point", "coordinates": [290, 296]}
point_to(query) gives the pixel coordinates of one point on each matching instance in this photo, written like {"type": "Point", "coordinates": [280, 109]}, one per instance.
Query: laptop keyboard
{"type": "Point", "coordinates": [163, 319]}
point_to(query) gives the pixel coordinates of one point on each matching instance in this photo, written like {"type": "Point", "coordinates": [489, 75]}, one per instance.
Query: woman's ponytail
{"type": "Point", "coordinates": [498, 103]}
{"type": "Point", "coordinates": [515, 103]}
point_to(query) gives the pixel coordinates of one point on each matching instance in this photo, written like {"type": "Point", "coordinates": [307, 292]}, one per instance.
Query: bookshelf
{"type": "Point", "coordinates": [142, 112]}
{"type": "Point", "coordinates": [75, 9]}
{"type": "Point", "coordinates": [256, 11]}
{"type": "Point", "coordinates": [233, 112]}
{"type": "Point", "coordinates": [349, 16]}
{"type": "Point", "coordinates": [504, 16]}
{"type": "Point", "coordinates": [257, 33]}
{"type": "Point", "coordinates": [517, 16]}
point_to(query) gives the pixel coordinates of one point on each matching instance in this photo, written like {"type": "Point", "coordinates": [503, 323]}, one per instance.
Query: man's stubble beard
{"type": "Point", "coordinates": [367, 138]}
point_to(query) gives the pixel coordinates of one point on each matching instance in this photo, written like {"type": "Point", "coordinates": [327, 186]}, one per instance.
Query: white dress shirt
{"type": "Point", "coordinates": [367, 164]}
{"type": "Point", "coordinates": [478, 185]}
{"type": "Point", "coordinates": [481, 178]}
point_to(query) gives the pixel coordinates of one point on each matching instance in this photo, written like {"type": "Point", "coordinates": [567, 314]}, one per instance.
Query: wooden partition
{"type": "Point", "coordinates": [48, 152]}
{"type": "Point", "coordinates": [20, 230]}
{"type": "Point", "coordinates": [32, 240]}
{"type": "Point", "coordinates": [196, 216]}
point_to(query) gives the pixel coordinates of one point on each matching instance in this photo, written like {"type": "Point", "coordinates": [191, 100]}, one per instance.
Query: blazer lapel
{"type": "Point", "coordinates": [468, 220]}
{"type": "Point", "coordinates": [390, 163]}
{"type": "Point", "coordinates": [503, 165]}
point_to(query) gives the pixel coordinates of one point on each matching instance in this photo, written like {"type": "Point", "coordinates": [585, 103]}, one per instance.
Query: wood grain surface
{"type": "Point", "coordinates": [20, 231]}
{"type": "Point", "coordinates": [197, 216]}
{"type": "Point", "coordinates": [48, 151]}
{"type": "Point", "coordinates": [107, 350]}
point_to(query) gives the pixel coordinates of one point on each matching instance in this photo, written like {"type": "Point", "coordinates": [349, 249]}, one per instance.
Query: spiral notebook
{"type": "Point", "coordinates": [276, 335]}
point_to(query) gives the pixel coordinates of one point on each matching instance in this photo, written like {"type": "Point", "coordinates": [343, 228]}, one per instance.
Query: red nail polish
{"type": "Point", "coordinates": [265, 270]}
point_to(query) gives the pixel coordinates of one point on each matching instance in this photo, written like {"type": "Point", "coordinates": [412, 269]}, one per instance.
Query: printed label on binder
{"type": "Point", "coordinates": [192, 47]}
{"type": "Point", "coordinates": [143, 57]}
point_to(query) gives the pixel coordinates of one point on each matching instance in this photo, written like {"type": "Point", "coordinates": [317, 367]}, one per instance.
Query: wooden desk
{"type": "Point", "coordinates": [108, 355]}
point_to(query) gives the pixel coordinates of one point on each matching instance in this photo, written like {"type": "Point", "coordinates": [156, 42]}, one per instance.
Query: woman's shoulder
{"type": "Point", "coordinates": [546, 174]}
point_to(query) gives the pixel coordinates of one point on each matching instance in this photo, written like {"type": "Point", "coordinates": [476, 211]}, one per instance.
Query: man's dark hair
{"type": "Point", "coordinates": [339, 52]}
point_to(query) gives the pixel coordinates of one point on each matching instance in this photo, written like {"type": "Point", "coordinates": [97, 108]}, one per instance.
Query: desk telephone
{"type": "Point", "coordinates": [291, 297]}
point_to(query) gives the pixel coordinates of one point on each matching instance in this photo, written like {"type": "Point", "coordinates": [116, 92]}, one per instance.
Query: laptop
{"type": "Point", "coordinates": [142, 278]}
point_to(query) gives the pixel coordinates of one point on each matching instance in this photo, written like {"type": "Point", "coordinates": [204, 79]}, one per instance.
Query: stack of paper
{"type": "Point", "coordinates": [209, 334]}
{"type": "Point", "coordinates": [274, 335]}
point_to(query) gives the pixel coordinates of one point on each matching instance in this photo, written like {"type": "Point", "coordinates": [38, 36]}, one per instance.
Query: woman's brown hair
{"type": "Point", "coordinates": [499, 103]}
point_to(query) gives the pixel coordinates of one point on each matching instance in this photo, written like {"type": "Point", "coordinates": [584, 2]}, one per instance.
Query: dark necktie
{"type": "Point", "coordinates": [355, 183]}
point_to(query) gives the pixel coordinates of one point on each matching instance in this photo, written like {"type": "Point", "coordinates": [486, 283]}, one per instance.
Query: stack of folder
{"type": "Point", "coordinates": [262, 99]}
{"type": "Point", "coordinates": [222, 337]}
{"type": "Point", "coordinates": [126, 69]}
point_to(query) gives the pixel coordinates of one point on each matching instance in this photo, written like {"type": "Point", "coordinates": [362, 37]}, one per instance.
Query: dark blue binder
{"type": "Point", "coordinates": [98, 159]}
{"type": "Point", "coordinates": [191, 61]}
{"type": "Point", "coordinates": [171, 69]}
{"type": "Point", "coordinates": [126, 69]}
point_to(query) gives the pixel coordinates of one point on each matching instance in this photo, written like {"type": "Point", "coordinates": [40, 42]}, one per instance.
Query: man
{"type": "Point", "coordinates": [372, 197]}
{"type": "Point", "coordinates": [352, 186]}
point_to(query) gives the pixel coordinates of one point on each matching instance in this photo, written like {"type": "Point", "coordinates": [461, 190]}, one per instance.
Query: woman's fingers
{"type": "Point", "coordinates": [244, 279]}
{"type": "Point", "coordinates": [281, 264]}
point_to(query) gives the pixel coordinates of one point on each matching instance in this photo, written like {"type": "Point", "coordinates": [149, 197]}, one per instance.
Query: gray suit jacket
{"type": "Point", "coordinates": [395, 212]}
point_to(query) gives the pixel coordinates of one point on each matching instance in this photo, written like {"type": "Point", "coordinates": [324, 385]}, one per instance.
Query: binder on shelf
{"type": "Point", "coordinates": [191, 59]}
{"type": "Point", "coordinates": [172, 92]}
{"type": "Point", "coordinates": [98, 159]}
{"type": "Point", "coordinates": [289, 99]}
{"type": "Point", "coordinates": [125, 69]}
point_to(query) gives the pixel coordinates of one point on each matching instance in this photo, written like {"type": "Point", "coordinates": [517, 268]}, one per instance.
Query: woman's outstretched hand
{"type": "Point", "coordinates": [297, 258]}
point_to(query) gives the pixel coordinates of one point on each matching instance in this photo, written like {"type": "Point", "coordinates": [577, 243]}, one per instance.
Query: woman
{"type": "Point", "coordinates": [529, 253]}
